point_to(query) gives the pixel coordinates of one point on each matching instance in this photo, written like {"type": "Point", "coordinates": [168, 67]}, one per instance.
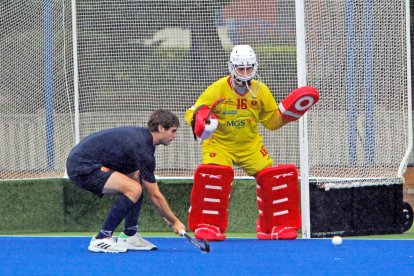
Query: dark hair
{"type": "Point", "coordinates": [162, 117]}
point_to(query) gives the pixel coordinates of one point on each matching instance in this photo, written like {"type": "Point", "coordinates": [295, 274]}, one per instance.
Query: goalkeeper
{"type": "Point", "coordinates": [225, 118]}
{"type": "Point", "coordinates": [121, 161]}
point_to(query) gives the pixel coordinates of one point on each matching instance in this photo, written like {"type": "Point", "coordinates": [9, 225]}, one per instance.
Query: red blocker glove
{"type": "Point", "coordinates": [298, 102]}
{"type": "Point", "coordinates": [203, 127]}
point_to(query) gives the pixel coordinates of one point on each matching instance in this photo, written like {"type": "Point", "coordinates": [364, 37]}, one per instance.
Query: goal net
{"type": "Point", "coordinates": [163, 54]}
{"type": "Point", "coordinates": [359, 134]}
{"type": "Point", "coordinates": [356, 54]}
{"type": "Point", "coordinates": [36, 88]}
{"type": "Point", "coordinates": [70, 69]}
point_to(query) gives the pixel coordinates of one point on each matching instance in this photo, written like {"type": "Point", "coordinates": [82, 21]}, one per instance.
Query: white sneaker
{"type": "Point", "coordinates": [135, 242]}
{"type": "Point", "coordinates": [106, 245]}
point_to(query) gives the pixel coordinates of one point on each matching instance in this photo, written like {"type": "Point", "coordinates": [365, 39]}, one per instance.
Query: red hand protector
{"type": "Point", "coordinates": [298, 102]}
{"type": "Point", "coordinates": [201, 122]}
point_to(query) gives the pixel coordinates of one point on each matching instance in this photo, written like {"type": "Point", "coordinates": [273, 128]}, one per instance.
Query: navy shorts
{"type": "Point", "coordinates": [93, 181]}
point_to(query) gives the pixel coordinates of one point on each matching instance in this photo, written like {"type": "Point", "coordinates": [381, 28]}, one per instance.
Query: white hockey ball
{"type": "Point", "coordinates": [337, 240]}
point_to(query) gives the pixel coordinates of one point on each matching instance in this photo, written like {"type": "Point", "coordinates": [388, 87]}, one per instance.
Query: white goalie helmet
{"type": "Point", "coordinates": [243, 57]}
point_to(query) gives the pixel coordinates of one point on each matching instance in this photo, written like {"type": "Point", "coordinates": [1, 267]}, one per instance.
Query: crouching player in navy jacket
{"type": "Point", "coordinates": [121, 161]}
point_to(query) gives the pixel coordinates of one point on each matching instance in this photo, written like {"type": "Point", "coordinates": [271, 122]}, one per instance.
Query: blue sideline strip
{"type": "Point", "coordinates": [177, 256]}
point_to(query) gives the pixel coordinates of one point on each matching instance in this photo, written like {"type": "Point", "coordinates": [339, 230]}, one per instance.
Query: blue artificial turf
{"type": "Point", "coordinates": [235, 256]}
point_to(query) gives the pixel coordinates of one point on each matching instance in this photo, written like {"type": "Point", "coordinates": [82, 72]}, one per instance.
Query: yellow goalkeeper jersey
{"type": "Point", "coordinates": [239, 115]}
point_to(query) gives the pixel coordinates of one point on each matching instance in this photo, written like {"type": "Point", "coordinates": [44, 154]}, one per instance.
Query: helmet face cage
{"type": "Point", "coordinates": [242, 57]}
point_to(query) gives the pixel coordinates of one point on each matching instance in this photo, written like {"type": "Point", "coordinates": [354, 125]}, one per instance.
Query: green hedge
{"type": "Point", "coordinates": [31, 206]}
{"type": "Point", "coordinates": [56, 205]}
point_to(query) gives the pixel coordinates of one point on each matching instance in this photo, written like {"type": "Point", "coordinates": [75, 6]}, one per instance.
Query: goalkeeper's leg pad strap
{"type": "Point", "coordinates": [210, 196]}
{"type": "Point", "coordinates": [278, 197]}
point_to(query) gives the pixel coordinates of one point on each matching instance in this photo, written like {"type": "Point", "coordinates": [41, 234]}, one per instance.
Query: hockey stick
{"type": "Point", "coordinates": [210, 113]}
{"type": "Point", "coordinates": [212, 108]}
{"type": "Point", "coordinates": [205, 247]}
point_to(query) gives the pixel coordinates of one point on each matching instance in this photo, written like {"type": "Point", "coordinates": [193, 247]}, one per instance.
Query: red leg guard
{"type": "Point", "coordinates": [208, 215]}
{"type": "Point", "coordinates": [278, 202]}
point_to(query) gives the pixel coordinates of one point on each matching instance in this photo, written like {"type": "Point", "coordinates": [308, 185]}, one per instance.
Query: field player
{"type": "Point", "coordinates": [121, 161]}
{"type": "Point", "coordinates": [226, 118]}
